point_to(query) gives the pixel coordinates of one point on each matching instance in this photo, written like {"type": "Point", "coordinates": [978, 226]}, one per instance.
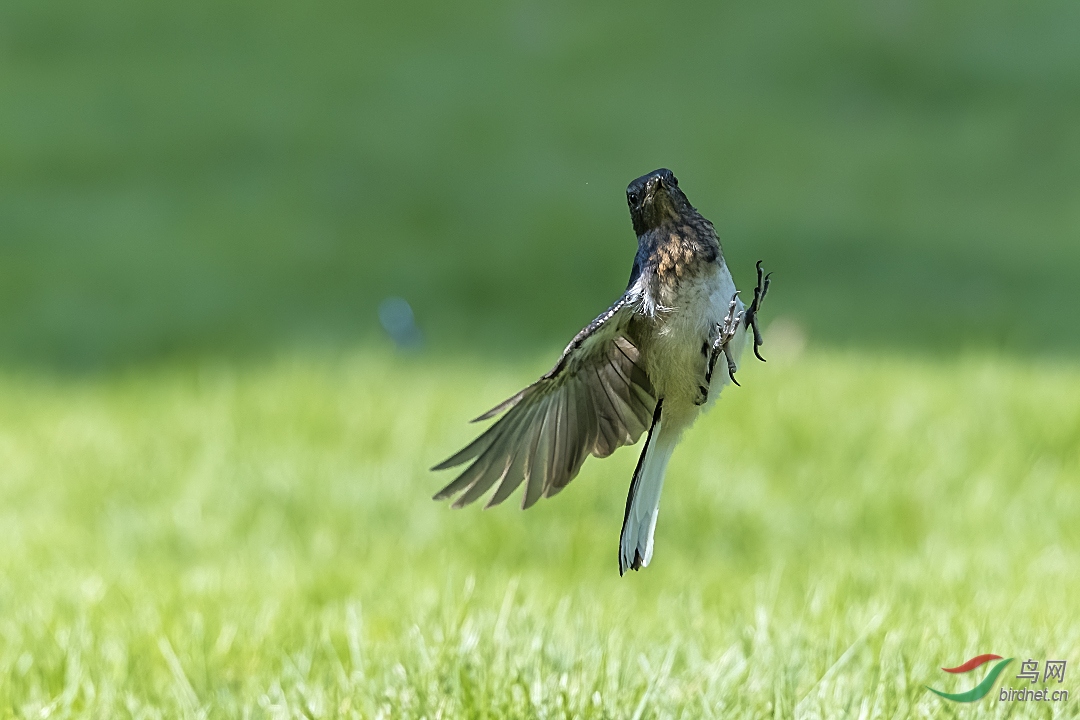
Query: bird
{"type": "Point", "coordinates": [645, 364]}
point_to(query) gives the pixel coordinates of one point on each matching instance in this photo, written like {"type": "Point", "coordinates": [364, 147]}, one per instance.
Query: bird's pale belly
{"type": "Point", "coordinates": [676, 360]}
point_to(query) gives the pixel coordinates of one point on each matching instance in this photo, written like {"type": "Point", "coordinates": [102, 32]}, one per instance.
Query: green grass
{"type": "Point", "coordinates": [258, 540]}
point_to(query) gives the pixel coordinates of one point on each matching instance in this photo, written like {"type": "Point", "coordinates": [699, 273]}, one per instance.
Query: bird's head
{"type": "Point", "coordinates": [655, 199]}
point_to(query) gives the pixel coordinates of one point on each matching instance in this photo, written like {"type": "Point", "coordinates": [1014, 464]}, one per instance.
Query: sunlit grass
{"type": "Point", "coordinates": [230, 541]}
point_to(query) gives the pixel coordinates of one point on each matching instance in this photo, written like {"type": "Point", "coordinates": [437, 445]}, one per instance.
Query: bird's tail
{"type": "Point", "coordinates": [643, 502]}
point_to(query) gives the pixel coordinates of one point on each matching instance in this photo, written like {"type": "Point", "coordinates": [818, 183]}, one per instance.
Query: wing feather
{"type": "Point", "coordinates": [489, 467]}
{"type": "Point", "coordinates": [520, 471]}
{"type": "Point", "coordinates": [556, 454]}
{"type": "Point", "coordinates": [607, 441]}
{"type": "Point", "coordinates": [620, 389]}
{"type": "Point", "coordinates": [597, 398]}
{"type": "Point", "coordinates": [473, 450]}
{"type": "Point", "coordinates": [614, 388]}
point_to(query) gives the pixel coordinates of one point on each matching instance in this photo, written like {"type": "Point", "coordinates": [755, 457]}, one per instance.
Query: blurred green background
{"type": "Point", "coordinates": [213, 465]}
{"type": "Point", "coordinates": [241, 177]}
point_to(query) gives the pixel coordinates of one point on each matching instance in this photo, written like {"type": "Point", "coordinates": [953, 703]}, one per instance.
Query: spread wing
{"type": "Point", "coordinates": [597, 398]}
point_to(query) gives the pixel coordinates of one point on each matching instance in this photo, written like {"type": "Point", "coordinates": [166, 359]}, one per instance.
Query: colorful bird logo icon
{"type": "Point", "coordinates": [979, 691]}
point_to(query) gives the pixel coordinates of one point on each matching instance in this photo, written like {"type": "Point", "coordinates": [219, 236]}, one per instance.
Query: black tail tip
{"type": "Point", "coordinates": [635, 565]}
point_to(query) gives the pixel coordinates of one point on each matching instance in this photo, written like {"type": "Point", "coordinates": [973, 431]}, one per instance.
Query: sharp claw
{"type": "Point", "coordinates": [730, 312]}
{"type": "Point", "coordinates": [757, 354]}
{"type": "Point", "coordinates": [731, 368]}
{"type": "Point", "coordinates": [758, 340]}
{"type": "Point", "coordinates": [762, 288]}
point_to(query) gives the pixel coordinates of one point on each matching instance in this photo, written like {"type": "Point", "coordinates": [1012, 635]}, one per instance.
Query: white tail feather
{"type": "Point", "coordinates": [643, 504]}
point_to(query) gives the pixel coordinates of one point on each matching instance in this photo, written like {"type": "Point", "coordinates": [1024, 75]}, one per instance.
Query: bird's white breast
{"type": "Point", "coordinates": [688, 319]}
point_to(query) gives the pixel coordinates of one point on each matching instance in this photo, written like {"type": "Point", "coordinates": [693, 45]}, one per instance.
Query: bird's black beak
{"type": "Point", "coordinates": [654, 188]}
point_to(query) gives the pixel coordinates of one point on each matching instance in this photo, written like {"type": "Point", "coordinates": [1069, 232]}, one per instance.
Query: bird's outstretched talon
{"type": "Point", "coordinates": [751, 315]}
{"type": "Point", "coordinates": [725, 331]}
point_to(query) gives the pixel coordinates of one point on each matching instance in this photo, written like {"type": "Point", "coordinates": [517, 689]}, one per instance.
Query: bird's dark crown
{"type": "Point", "coordinates": [655, 198]}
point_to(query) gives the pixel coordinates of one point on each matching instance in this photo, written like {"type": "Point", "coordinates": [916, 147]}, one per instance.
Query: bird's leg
{"type": "Point", "coordinates": [725, 331]}
{"type": "Point", "coordinates": [751, 315]}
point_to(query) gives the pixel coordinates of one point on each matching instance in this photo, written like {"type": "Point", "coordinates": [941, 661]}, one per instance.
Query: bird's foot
{"type": "Point", "coordinates": [751, 314]}
{"type": "Point", "coordinates": [725, 331]}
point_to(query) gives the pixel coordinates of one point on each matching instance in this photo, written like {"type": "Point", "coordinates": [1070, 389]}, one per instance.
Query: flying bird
{"type": "Point", "coordinates": [646, 363]}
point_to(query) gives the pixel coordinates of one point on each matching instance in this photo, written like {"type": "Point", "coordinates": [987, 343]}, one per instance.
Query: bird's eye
{"type": "Point", "coordinates": [632, 197]}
